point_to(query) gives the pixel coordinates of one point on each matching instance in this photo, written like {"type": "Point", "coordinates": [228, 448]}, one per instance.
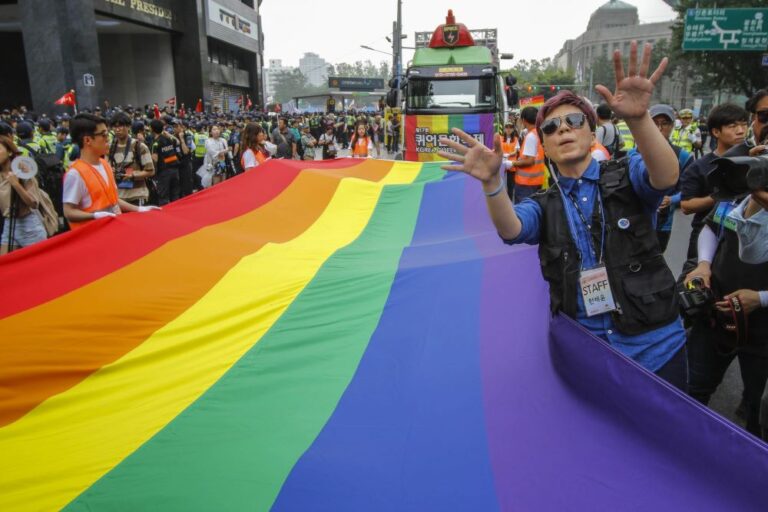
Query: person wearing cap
{"type": "Point", "coordinates": [664, 117]}
{"type": "Point", "coordinates": [688, 135]}
{"type": "Point", "coordinates": [25, 131]}
{"type": "Point", "coordinates": [740, 288]}
{"type": "Point", "coordinates": [594, 225]}
{"type": "Point", "coordinates": [131, 159]}
{"type": "Point", "coordinates": [63, 145]}
{"type": "Point", "coordinates": [47, 139]}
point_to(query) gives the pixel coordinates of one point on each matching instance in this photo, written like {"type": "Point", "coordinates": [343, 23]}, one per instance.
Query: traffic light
{"type": "Point", "coordinates": [552, 88]}
{"type": "Point", "coordinates": [530, 88]}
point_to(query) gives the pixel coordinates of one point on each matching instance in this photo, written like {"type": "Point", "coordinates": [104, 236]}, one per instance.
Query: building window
{"type": "Point", "coordinates": [605, 49]}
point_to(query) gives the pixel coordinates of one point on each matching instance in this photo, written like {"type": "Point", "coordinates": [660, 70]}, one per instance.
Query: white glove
{"type": "Point", "coordinates": [149, 208]}
{"type": "Point", "coordinates": [102, 215]}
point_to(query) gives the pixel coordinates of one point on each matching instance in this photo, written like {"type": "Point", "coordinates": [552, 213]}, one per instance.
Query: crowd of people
{"type": "Point", "coordinates": [155, 158]}
{"type": "Point", "coordinates": [595, 189]}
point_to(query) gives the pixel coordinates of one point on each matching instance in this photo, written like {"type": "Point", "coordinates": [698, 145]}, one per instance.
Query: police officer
{"type": "Point", "coordinates": [47, 140]}
{"type": "Point", "coordinates": [166, 154]}
{"type": "Point", "coordinates": [26, 139]}
{"type": "Point", "coordinates": [594, 226]}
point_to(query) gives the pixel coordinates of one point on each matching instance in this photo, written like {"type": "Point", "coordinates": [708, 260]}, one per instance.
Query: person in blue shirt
{"type": "Point", "coordinates": [663, 117]}
{"type": "Point", "coordinates": [595, 225]}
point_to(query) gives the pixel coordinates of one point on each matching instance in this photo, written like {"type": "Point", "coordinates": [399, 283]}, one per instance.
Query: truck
{"type": "Point", "coordinates": [452, 83]}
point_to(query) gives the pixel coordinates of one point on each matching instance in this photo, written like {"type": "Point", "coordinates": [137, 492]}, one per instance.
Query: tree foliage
{"type": "Point", "coordinates": [361, 69]}
{"type": "Point", "coordinates": [540, 75]}
{"type": "Point", "coordinates": [736, 71]}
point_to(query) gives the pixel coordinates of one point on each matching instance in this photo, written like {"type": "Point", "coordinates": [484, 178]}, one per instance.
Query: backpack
{"type": "Point", "coordinates": [47, 212]}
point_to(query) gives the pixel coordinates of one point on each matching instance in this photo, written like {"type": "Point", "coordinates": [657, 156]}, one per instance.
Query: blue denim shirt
{"type": "Point", "coordinates": [652, 349]}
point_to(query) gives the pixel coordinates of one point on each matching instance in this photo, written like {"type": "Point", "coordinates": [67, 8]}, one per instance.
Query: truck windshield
{"type": "Point", "coordinates": [477, 94]}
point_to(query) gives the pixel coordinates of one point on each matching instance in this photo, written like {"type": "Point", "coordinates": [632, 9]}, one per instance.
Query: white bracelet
{"type": "Point", "coordinates": [498, 190]}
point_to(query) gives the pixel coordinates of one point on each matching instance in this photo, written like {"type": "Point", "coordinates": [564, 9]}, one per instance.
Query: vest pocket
{"type": "Point", "coordinates": [650, 293]}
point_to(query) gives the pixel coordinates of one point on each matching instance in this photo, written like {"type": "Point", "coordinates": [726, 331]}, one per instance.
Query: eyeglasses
{"type": "Point", "coordinates": [100, 134]}
{"type": "Point", "coordinates": [762, 116]}
{"type": "Point", "coordinates": [575, 120]}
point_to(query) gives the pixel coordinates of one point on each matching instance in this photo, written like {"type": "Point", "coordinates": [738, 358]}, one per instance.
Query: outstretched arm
{"type": "Point", "coordinates": [630, 101]}
{"type": "Point", "coordinates": [484, 165]}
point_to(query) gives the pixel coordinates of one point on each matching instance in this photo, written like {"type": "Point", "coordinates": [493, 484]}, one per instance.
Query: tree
{"type": "Point", "coordinates": [290, 84]}
{"type": "Point", "coordinates": [361, 69]}
{"type": "Point", "coordinates": [540, 75]}
{"type": "Point", "coordinates": [735, 71]}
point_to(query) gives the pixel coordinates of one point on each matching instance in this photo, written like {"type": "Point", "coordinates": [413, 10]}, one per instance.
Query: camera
{"type": "Point", "coordinates": [739, 175]}
{"type": "Point", "coordinates": [696, 300]}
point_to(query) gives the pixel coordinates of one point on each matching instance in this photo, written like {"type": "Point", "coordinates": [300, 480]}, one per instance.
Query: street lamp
{"type": "Point", "coordinates": [375, 50]}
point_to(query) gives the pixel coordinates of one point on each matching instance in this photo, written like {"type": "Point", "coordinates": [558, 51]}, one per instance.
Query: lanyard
{"type": "Point", "coordinates": [587, 225]}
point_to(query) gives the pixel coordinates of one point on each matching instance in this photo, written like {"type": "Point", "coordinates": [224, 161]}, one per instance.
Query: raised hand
{"type": "Point", "coordinates": [474, 159]}
{"type": "Point", "coordinates": [632, 96]}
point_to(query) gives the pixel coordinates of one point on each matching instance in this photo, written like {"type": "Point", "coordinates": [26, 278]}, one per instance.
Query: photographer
{"type": "Point", "coordinates": [728, 125]}
{"type": "Point", "coordinates": [131, 161]}
{"type": "Point", "coordinates": [594, 226]}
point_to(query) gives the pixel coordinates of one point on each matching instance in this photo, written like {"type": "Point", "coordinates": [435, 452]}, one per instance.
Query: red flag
{"type": "Point", "coordinates": [199, 107]}
{"type": "Point", "coordinates": [171, 101]}
{"type": "Point", "coordinates": [240, 100]}
{"type": "Point", "coordinates": [182, 111]}
{"type": "Point", "coordinates": [67, 99]}
{"type": "Point", "coordinates": [157, 111]}
{"type": "Point", "coordinates": [249, 104]}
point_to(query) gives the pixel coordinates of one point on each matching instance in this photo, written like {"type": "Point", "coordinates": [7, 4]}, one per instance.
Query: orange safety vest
{"type": "Point", "coordinates": [603, 149]}
{"type": "Point", "coordinates": [533, 175]}
{"type": "Point", "coordinates": [103, 193]}
{"type": "Point", "coordinates": [360, 147]}
{"type": "Point", "coordinates": [260, 158]}
{"type": "Point", "coordinates": [512, 149]}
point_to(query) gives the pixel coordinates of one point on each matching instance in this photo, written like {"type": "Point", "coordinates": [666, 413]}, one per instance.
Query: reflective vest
{"type": "Point", "coordinates": [626, 136]}
{"type": "Point", "coordinates": [360, 147]}
{"type": "Point", "coordinates": [103, 193]}
{"type": "Point", "coordinates": [200, 139]}
{"type": "Point", "coordinates": [512, 150]}
{"type": "Point", "coordinates": [680, 138]}
{"type": "Point", "coordinates": [260, 158]}
{"type": "Point", "coordinates": [32, 144]}
{"type": "Point", "coordinates": [48, 143]}
{"type": "Point", "coordinates": [533, 175]}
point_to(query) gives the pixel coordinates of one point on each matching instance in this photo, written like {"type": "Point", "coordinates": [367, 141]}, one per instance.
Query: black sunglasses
{"type": "Point", "coordinates": [574, 120]}
{"type": "Point", "coordinates": [762, 116]}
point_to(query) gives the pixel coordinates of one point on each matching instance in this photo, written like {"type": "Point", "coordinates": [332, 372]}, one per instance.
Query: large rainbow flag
{"type": "Point", "coordinates": [331, 336]}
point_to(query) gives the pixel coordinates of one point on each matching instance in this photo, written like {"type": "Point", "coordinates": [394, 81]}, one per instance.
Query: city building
{"type": "Point", "coordinates": [315, 68]}
{"type": "Point", "coordinates": [270, 77]}
{"type": "Point", "coordinates": [131, 52]}
{"type": "Point", "coordinates": [612, 26]}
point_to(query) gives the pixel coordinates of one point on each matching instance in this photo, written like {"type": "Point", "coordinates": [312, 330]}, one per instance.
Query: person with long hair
{"type": "Point", "coordinates": [510, 146]}
{"type": "Point", "coordinates": [254, 150]}
{"type": "Point", "coordinates": [18, 202]}
{"type": "Point", "coordinates": [360, 143]}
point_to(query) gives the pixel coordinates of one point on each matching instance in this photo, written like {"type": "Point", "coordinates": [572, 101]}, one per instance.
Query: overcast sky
{"type": "Point", "coordinates": [335, 29]}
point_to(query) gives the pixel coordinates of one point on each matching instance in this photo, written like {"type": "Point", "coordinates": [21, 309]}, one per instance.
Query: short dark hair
{"type": "Point", "coordinates": [604, 112]}
{"type": "Point", "coordinates": [528, 114]}
{"type": "Point", "coordinates": [120, 119]}
{"type": "Point", "coordinates": [751, 104]}
{"type": "Point", "coordinates": [156, 125]}
{"type": "Point", "coordinates": [83, 125]}
{"type": "Point", "coordinates": [726, 114]}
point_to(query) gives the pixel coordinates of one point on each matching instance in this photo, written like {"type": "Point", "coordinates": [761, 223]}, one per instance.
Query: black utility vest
{"type": "Point", "coordinates": [642, 284]}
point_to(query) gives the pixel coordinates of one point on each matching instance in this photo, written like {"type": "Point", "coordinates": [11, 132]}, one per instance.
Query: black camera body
{"type": "Point", "coordinates": [739, 175]}
{"type": "Point", "coordinates": [696, 300]}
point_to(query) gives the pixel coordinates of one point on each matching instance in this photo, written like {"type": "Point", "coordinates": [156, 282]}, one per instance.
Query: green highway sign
{"type": "Point", "coordinates": [726, 29]}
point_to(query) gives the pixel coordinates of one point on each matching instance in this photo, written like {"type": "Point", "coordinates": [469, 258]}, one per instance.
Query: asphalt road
{"type": "Point", "coordinates": [728, 395]}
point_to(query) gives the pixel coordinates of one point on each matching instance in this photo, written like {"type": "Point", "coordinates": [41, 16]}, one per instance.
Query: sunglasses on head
{"type": "Point", "coordinates": [575, 120]}
{"type": "Point", "coordinates": [762, 116]}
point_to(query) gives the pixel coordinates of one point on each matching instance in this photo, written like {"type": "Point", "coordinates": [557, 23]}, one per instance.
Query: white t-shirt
{"type": "Point", "coordinates": [75, 191]}
{"type": "Point", "coordinates": [598, 155]}
{"type": "Point", "coordinates": [249, 159]}
{"type": "Point", "coordinates": [213, 147]}
{"type": "Point", "coordinates": [530, 147]}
